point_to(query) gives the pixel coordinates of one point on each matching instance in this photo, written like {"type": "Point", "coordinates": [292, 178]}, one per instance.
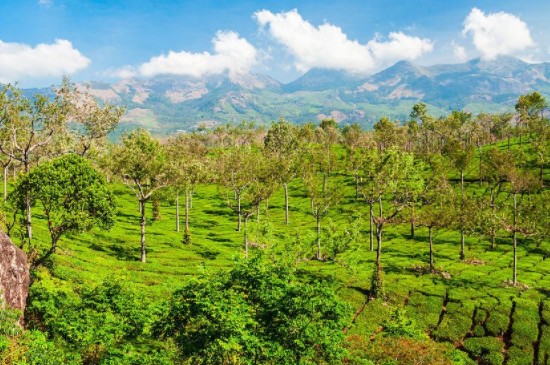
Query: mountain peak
{"type": "Point", "coordinates": [317, 79]}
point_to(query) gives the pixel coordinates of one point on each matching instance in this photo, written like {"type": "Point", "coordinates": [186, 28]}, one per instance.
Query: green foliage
{"type": "Point", "coordinates": [486, 349]}
{"type": "Point", "coordinates": [399, 325]}
{"type": "Point", "coordinates": [255, 313]}
{"type": "Point", "coordinates": [99, 324]}
{"type": "Point", "coordinates": [73, 195]}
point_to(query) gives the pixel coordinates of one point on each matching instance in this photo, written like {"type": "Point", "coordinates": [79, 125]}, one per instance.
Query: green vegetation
{"type": "Point", "coordinates": [417, 243]}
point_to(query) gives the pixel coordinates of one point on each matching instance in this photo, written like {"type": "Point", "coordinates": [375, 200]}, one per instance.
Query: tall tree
{"type": "Point", "coordinates": [522, 217]}
{"type": "Point", "coordinates": [140, 161]}
{"type": "Point", "coordinates": [91, 122]}
{"type": "Point", "coordinates": [398, 179]}
{"type": "Point", "coordinates": [437, 211]}
{"type": "Point", "coordinates": [283, 147]}
{"type": "Point", "coordinates": [460, 157]}
{"type": "Point", "coordinates": [28, 126]}
{"type": "Point", "coordinates": [188, 166]}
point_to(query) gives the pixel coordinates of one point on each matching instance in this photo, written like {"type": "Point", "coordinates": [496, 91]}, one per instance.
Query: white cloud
{"type": "Point", "coordinates": [232, 54]}
{"type": "Point", "coordinates": [327, 46]}
{"type": "Point", "coordinates": [497, 34]}
{"type": "Point", "coordinates": [20, 61]}
{"type": "Point", "coordinates": [459, 53]}
{"type": "Point", "coordinates": [45, 2]}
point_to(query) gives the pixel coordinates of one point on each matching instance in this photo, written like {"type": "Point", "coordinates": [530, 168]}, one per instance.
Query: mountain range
{"type": "Point", "coordinates": [165, 104]}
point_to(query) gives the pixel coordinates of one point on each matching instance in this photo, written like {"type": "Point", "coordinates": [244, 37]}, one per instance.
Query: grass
{"type": "Point", "coordinates": [469, 307]}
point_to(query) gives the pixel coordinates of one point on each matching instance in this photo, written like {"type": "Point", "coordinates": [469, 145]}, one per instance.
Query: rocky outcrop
{"type": "Point", "coordinates": [14, 275]}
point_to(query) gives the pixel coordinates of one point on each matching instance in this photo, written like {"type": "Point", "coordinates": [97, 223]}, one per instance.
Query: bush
{"type": "Point", "coordinates": [487, 349]}
{"type": "Point", "coordinates": [257, 313]}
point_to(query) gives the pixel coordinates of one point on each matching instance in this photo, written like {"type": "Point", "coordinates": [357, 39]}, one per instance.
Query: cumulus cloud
{"type": "Point", "coordinates": [232, 54]}
{"type": "Point", "coordinates": [327, 46]}
{"type": "Point", "coordinates": [20, 61]}
{"type": "Point", "coordinates": [497, 34]}
{"type": "Point", "coordinates": [459, 52]}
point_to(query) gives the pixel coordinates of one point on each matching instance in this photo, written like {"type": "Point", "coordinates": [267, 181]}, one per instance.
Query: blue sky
{"type": "Point", "coordinates": [41, 40]}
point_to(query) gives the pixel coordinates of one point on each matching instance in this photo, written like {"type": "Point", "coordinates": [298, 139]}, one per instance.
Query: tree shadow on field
{"type": "Point", "coordinates": [218, 212]}
{"type": "Point", "coordinates": [208, 254]}
{"type": "Point", "coordinates": [124, 253]}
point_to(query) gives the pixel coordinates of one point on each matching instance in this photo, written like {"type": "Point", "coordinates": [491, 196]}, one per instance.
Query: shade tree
{"type": "Point", "coordinates": [74, 198]}
{"type": "Point", "coordinates": [27, 127]}
{"type": "Point", "coordinates": [140, 161]}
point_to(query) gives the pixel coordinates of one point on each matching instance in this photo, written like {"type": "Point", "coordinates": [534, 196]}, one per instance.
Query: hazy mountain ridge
{"type": "Point", "coordinates": [169, 103]}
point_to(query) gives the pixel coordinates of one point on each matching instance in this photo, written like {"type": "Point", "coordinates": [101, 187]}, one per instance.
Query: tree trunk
{"type": "Point", "coordinates": [177, 213]}
{"type": "Point", "coordinates": [432, 266]}
{"type": "Point", "coordinates": [6, 182]}
{"type": "Point", "coordinates": [379, 246]}
{"type": "Point", "coordinates": [258, 213]}
{"type": "Point", "coordinates": [239, 212]}
{"type": "Point", "coordinates": [462, 243]}
{"type": "Point", "coordinates": [370, 227]}
{"type": "Point", "coordinates": [187, 210]}
{"type": "Point", "coordinates": [318, 216]}
{"type": "Point", "coordinates": [412, 223]}
{"type": "Point", "coordinates": [285, 186]}
{"type": "Point", "coordinates": [479, 152]}
{"type": "Point", "coordinates": [142, 223]}
{"type": "Point", "coordinates": [28, 216]}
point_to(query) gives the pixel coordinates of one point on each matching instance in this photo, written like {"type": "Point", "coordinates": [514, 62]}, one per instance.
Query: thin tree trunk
{"type": "Point", "coordinates": [239, 213]}
{"type": "Point", "coordinates": [412, 223]}
{"type": "Point", "coordinates": [318, 216]}
{"type": "Point", "coordinates": [258, 213]}
{"type": "Point", "coordinates": [186, 211]}
{"type": "Point", "coordinates": [479, 152]}
{"type": "Point", "coordinates": [285, 186]}
{"type": "Point", "coordinates": [177, 213]}
{"type": "Point", "coordinates": [379, 247]}
{"type": "Point", "coordinates": [142, 223]}
{"type": "Point", "coordinates": [432, 266]}
{"type": "Point", "coordinates": [191, 193]}
{"type": "Point", "coordinates": [6, 182]}
{"type": "Point", "coordinates": [371, 215]}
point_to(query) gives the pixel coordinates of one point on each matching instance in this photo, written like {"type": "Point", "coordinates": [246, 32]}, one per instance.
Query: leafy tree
{"type": "Point", "coordinates": [255, 314]}
{"type": "Point", "coordinates": [321, 189]}
{"type": "Point", "coordinates": [530, 108]}
{"type": "Point", "coordinates": [282, 146]}
{"type": "Point", "coordinates": [524, 215]}
{"type": "Point", "coordinates": [398, 179]}
{"type": "Point", "coordinates": [91, 122]}
{"type": "Point", "coordinates": [437, 211]}
{"type": "Point", "coordinates": [188, 167]}
{"type": "Point", "coordinates": [140, 161]}
{"type": "Point", "coordinates": [73, 195]}
{"type": "Point", "coordinates": [460, 158]}
{"type": "Point", "coordinates": [26, 128]}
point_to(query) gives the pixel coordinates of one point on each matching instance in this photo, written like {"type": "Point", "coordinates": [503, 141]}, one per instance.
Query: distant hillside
{"type": "Point", "coordinates": [170, 103]}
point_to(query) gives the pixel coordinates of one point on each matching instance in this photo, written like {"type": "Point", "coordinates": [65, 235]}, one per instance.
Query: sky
{"type": "Point", "coordinates": [106, 40]}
